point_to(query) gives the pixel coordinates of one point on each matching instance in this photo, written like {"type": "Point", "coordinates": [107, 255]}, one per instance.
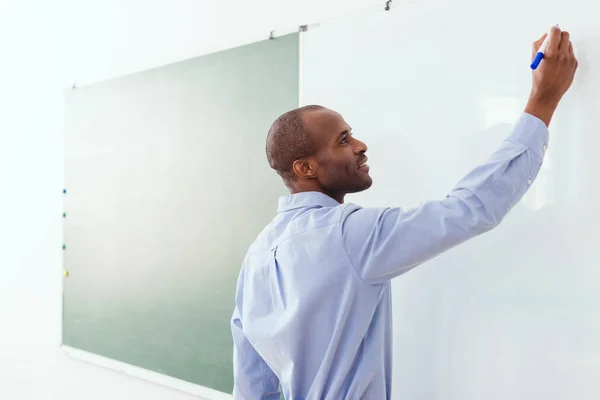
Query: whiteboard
{"type": "Point", "coordinates": [433, 88]}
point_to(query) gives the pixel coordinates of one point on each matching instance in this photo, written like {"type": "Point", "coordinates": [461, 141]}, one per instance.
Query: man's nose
{"type": "Point", "coordinates": [360, 147]}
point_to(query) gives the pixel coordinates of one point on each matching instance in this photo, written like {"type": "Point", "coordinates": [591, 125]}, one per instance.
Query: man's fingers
{"type": "Point", "coordinates": [565, 41]}
{"type": "Point", "coordinates": [554, 41]}
{"type": "Point", "coordinates": [571, 52]}
{"type": "Point", "coordinates": [537, 44]}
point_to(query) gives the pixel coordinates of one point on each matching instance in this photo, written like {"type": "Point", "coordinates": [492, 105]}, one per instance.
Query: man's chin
{"type": "Point", "coordinates": [366, 183]}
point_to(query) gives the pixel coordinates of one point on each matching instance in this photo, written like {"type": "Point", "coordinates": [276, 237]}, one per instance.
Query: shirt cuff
{"type": "Point", "coordinates": [533, 133]}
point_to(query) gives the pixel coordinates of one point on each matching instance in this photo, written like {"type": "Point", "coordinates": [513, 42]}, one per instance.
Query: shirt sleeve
{"type": "Point", "coordinates": [253, 378]}
{"type": "Point", "coordinates": [383, 243]}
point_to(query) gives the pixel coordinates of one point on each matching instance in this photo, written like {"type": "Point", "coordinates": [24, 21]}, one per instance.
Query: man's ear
{"type": "Point", "coordinates": [305, 168]}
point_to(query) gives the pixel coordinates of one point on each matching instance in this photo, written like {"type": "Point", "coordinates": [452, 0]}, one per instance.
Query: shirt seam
{"type": "Point", "coordinates": [301, 231]}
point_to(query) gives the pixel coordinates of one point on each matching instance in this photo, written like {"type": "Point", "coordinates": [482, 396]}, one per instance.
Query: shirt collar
{"type": "Point", "coordinates": [305, 199]}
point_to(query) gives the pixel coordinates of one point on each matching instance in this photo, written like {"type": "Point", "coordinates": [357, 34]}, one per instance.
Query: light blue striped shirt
{"type": "Point", "coordinates": [313, 304]}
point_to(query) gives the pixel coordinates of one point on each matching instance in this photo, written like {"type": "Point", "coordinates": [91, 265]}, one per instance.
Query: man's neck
{"type": "Point", "coordinates": [339, 198]}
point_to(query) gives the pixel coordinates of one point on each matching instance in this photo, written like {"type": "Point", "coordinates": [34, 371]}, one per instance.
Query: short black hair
{"type": "Point", "coordinates": [288, 141]}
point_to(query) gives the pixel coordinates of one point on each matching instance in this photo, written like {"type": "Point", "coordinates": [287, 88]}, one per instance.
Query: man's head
{"type": "Point", "coordinates": [312, 149]}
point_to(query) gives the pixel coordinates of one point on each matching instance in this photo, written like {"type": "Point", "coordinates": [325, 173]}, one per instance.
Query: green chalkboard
{"type": "Point", "coordinates": [167, 184]}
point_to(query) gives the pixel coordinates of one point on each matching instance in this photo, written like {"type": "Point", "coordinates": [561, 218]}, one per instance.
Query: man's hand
{"type": "Point", "coordinates": [553, 77]}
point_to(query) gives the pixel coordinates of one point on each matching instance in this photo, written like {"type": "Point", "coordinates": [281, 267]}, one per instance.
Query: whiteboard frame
{"type": "Point", "coordinates": [203, 392]}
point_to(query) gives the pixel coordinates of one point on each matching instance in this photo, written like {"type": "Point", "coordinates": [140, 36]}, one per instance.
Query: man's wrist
{"type": "Point", "coordinates": [541, 107]}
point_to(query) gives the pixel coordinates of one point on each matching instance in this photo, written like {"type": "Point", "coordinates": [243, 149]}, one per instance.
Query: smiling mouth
{"type": "Point", "coordinates": [363, 165]}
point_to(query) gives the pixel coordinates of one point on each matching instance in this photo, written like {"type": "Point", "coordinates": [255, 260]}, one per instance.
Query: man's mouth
{"type": "Point", "coordinates": [363, 164]}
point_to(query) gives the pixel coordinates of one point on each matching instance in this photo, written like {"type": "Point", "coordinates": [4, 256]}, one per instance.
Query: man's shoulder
{"type": "Point", "coordinates": [309, 220]}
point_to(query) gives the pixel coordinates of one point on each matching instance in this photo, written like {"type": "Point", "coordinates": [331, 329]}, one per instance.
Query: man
{"type": "Point", "coordinates": [313, 312]}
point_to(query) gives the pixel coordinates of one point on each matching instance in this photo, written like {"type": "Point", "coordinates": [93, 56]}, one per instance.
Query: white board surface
{"type": "Point", "coordinates": [433, 88]}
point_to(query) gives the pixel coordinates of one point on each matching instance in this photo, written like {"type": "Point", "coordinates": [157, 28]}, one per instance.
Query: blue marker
{"type": "Point", "coordinates": [540, 54]}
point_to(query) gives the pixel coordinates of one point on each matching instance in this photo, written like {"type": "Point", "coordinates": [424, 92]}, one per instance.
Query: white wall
{"type": "Point", "coordinates": [46, 46]}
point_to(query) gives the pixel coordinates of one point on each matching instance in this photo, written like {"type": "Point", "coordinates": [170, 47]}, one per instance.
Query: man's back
{"type": "Point", "coordinates": [307, 313]}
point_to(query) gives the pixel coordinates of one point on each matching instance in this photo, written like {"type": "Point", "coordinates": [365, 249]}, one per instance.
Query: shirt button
{"type": "Point", "coordinates": [544, 148]}
{"type": "Point", "coordinates": [529, 182]}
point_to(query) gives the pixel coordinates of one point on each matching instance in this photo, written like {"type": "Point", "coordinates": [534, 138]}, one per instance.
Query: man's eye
{"type": "Point", "coordinates": [344, 139]}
